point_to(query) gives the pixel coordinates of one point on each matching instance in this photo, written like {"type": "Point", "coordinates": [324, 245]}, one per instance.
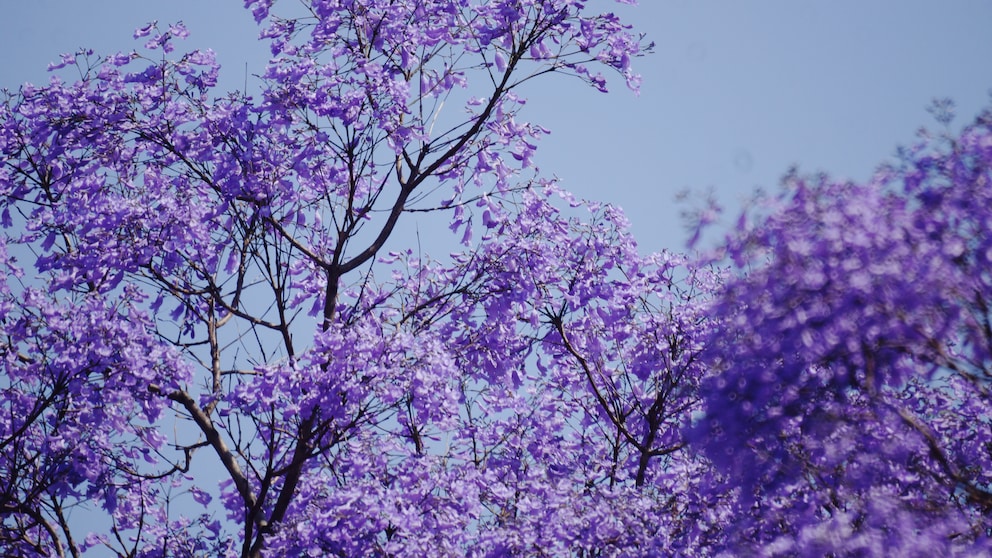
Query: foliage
{"type": "Point", "coordinates": [851, 404]}
{"type": "Point", "coordinates": [221, 337]}
{"type": "Point", "coordinates": [199, 286]}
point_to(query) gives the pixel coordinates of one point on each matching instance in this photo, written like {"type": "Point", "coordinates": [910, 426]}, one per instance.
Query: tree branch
{"type": "Point", "coordinates": [213, 437]}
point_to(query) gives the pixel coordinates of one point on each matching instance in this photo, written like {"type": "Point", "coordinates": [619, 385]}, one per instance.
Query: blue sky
{"type": "Point", "coordinates": [734, 94]}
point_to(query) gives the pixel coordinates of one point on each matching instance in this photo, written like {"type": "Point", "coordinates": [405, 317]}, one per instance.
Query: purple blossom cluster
{"type": "Point", "coordinates": [849, 395]}
{"type": "Point", "coordinates": [197, 285]}
{"type": "Point", "coordinates": [216, 340]}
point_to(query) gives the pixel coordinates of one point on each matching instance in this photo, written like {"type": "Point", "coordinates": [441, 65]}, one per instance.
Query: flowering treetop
{"type": "Point", "coordinates": [197, 284]}
{"type": "Point", "coordinates": [854, 360]}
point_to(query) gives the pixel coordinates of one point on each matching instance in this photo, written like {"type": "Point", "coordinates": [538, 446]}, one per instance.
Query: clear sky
{"type": "Point", "coordinates": [734, 94]}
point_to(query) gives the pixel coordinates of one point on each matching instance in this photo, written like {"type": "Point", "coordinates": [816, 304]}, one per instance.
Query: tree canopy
{"type": "Point", "coordinates": [219, 340]}
{"type": "Point", "coordinates": [849, 396]}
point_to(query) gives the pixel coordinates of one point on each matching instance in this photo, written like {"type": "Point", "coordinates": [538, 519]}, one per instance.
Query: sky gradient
{"type": "Point", "coordinates": [734, 94]}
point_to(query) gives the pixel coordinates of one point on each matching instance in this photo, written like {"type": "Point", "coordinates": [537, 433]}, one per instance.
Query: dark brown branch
{"type": "Point", "coordinates": [213, 437]}
{"type": "Point", "coordinates": [975, 494]}
{"type": "Point", "coordinates": [587, 369]}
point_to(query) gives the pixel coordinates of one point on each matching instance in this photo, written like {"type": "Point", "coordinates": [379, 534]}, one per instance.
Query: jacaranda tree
{"type": "Point", "coordinates": [852, 358]}
{"type": "Point", "coordinates": [219, 339]}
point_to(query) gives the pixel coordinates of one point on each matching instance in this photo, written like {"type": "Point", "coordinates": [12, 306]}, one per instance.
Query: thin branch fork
{"type": "Point", "coordinates": [206, 426]}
